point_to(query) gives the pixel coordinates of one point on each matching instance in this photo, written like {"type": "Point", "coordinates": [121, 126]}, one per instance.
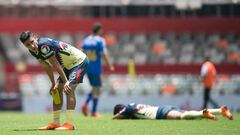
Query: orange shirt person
{"type": "Point", "coordinates": [208, 73]}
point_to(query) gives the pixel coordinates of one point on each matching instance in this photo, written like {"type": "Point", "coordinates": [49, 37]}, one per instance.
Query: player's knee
{"type": "Point", "coordinates": [71, 98]}
{"type": "Point", "coordinates": [96, 91]}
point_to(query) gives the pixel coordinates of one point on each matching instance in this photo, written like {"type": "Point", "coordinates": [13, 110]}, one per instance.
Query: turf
{"type": "Point", "coordinates": [12, 123]}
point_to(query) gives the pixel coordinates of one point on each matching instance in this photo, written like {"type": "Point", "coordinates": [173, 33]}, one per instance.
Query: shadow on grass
{"type": "Point", "coordinates": [30, 129]}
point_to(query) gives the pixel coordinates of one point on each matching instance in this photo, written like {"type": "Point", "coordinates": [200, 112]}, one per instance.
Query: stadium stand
{"type": "Point", "coordinates": [147, 49]}
{"type": "Point", "coordinates": [153, 48]}
{"type": "Point", "coordinates": [166, 41]}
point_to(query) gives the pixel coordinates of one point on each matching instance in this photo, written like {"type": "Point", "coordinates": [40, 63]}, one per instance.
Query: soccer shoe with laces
{"type": "Point", "coordinates": [226, 112]}
{"type": "Point", "coordinates": [209, 115]}
{"type": "Point", "coordinates": [84, 110]}
{"type": "Point", "coordinates": [50, 126]}
{"type": "Point", "coordinates": [66, 126]}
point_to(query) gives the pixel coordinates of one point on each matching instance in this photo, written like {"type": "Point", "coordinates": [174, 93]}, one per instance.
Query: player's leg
{"type": "Point", "coordinates": [197, 115]}
{"type": "Point", "coordinates": [205, 97]}
{"type": "Point", "coordinates": [84, 106]}
{"type": "Point", "coordinates": [96, 82]}
{"type": "Point", "coordinates": [223, 110]}
{"type": "Point", "coordinates": [215, 105]}
{"type": "Point", "coordinates": [71, 103]}
{"type": "Point", "coordinates": [57, 107]}
{"type": "Point", "coordinates": [75, 77]}
{"type": "Point", "coordinates": [188, 115]}
{"type": "Point", "coordinates": [175, 113]}
{"type": "Point", "coordinates": [56, 111]}
{"type": "Point", "coordinates": [89, 97]}
{"type": "Point", "coordinates": [96, 93]}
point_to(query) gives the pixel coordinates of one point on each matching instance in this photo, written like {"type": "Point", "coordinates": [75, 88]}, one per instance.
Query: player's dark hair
{"type": "Point", "coordinates": [25, 36]}
{"type": "Point", "coordinates": [96, 28]}
{"type": "Point", "coordinates": [118, 108]}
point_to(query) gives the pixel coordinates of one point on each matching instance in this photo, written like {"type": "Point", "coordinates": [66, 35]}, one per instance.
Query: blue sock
{"type": "Point", "coordinates": [95, 103]}
{"type": "Point", "coordinates": [89, 97]}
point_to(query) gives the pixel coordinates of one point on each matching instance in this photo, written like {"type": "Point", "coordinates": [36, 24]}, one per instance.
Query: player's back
{"type": "Point", "coordinates": [140, 111]}
{"type": "Point", "coordinates": [93, 46]}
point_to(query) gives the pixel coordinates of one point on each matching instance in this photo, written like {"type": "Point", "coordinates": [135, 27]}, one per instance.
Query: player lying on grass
{"type": "Point", "coordinates": [71, 65]}
{"type": "Point", "coordinates": [142, 111]}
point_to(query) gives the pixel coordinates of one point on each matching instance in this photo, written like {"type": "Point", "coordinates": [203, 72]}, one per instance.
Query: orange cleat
{"type": "Point", "coordinates": [209, 115]}
{"type": "Point", "coordinates": [226, 112]}
{"type": "Point", "coordinates": [50, 126]}
{"type": "Point", "coordinates": [95, 114]}
{"type": "Point", "coordinates": [66, 126]}
{"type": "Point", "coordinates": [85, 110]}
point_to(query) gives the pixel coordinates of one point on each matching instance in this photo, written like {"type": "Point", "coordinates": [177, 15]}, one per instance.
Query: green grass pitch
{"type": "Point", "coordinates": [12, 123]}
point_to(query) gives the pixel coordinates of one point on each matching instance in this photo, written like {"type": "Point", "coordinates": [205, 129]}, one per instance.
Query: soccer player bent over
{"type": "Point", "coordinates": [142, 111]}
{"type": "Point", "coordinates": [71, 65]}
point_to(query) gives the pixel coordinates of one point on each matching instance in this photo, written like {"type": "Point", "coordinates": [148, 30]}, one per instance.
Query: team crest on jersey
{"type": "Point", "coordinates": [45, 49]}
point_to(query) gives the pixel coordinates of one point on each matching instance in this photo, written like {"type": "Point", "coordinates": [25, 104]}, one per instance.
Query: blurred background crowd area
{"type": "Point", "coordinates": [173, 36]}
{"type": "Point", "coordinates": [144, 48]}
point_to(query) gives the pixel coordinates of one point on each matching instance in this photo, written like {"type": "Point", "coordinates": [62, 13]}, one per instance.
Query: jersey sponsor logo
{"type": "Point", "coordinates": [45, 49]}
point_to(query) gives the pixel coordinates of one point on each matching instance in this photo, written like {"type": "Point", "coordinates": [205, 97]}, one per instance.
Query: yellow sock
{"type": "Point", "coordinates": [56, 116]}
{"type": "Point", "coordinates": [69, 116]}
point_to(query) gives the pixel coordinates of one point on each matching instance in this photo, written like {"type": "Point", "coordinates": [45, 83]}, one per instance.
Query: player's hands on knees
{"type": "Point", "coordinates": [53, 87]}
{"type": "Point", "coordinates": [67, 89]}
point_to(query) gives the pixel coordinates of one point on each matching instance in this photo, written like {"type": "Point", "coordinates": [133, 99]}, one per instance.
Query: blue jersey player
{"type": "Point", "coordinates": [143, 111]}
{"type": "Point", "coordinates": [95, 48]}
{"type": "Point", "coordinates": [70, 63]}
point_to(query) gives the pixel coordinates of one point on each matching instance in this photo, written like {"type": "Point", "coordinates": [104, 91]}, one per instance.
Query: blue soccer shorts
{"type": "Point", "coordinates": [95, 79]}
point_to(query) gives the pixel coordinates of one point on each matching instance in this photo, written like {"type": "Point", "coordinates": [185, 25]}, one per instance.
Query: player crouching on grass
{"type": "Point", "coordinates": [142, 111]}
{"type": "Point", "coordinates": [71, 65]}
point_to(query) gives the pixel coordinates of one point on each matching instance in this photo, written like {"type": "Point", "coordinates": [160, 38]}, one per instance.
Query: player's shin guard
{"type": "Point", "coordinates": [191, 114]}
{"type": "Point", "coordinates": [56, 116]}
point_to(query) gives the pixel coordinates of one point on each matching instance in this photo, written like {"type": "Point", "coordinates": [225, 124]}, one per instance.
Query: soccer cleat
{"type": "Point", "coordinates": [209, 115]}
{"type": "Point", "coordinates": [95, 114]}
{"type": "Point", "coordinates": [84, 110]}
{"type": "Point", "coordinates": [66, 126]}
{"type": "Point", "coordinates": [50, 126]}
{"type": "Point", "coordinates": [226, 112]}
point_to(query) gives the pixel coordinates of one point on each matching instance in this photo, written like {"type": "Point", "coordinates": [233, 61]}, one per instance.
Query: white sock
{"type": "Point", "coordinates": [191, 114]}
{"type": "Point", "coordinates": [69, 116]}
{"type": "Point", "coordinates": [215, 111]}
{"type": "Point", "coordinates": [56, 117]}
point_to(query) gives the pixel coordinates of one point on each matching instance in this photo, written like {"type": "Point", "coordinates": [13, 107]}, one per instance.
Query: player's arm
{"type": "Point", "coordinates": [118, 116]}
{"type": "Point", "coordinates": [53, 61]}
{"type": "Point", "coordinates": [49, 72]}
{"type": "Point", "coordinates": [105, 56]}
{"type": "Point", "coordinates": [203, 73]}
